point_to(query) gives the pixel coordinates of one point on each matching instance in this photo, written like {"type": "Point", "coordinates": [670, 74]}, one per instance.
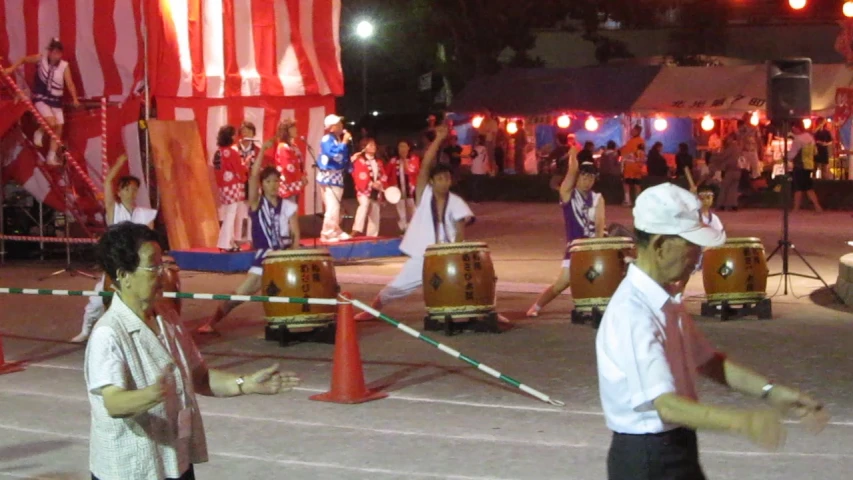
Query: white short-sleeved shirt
{"type": "Point", "coordinates": [713, 220]}
{"type": "Point", "coordinates": [647, 345]}
{"type": "Point", "coordinates": [422, 232]}
{"type": "Point", "coordinates": [139, 215]}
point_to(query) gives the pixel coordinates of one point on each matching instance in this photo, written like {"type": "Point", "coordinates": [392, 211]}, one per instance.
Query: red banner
{"type": "Point", "coordinates": [843, 104]}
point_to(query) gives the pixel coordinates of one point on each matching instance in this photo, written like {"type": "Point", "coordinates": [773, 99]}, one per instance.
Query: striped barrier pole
{"type": "Point", "coordinates": [105, 166]}
{"type": "Point", "coordinates": [26, 238]}
{"type": "Point", "coordinates": [458, 355]}
{"type": "Point", "coordinates": [196, 296]}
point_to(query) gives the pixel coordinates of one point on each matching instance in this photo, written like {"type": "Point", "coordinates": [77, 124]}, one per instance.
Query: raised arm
{"type": "Point", "coordinates": [109, 188]}
{"type": "Point", "coordinates": [255, 177]}
{"type": "Point", "coordinates": [429, 159]}
{"type": "Point", "coordinates": [571, 176]}
{"type": "Point", "coordinates": [72, 89]}
{"type": "Point", "coordinates": [28, 59]}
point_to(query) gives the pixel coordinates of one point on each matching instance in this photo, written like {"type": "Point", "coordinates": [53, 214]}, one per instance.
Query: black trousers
{"type": "Point", "coordinates": [188, 475]}
{"type": "Point", "coordinates": [672, 455]}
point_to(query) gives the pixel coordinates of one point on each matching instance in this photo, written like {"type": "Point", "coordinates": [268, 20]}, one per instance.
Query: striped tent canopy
{"type": "Point", "coordinates": [212, 61]}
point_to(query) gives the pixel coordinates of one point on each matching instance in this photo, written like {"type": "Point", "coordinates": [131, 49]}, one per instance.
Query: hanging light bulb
{"type": "Point", "coordinates": [512, 127]}
{"type": "Point", "coordinates": [660, 124]}
{"type": "Point", "coordinates": [591, 124]}
{"type": "Point", "coordinates": [847, 9]}
{"type": "Point", "coordinates": [797, 4]}
{"type": "Point", "coordinates": [753, 120]}
{"type": "Point", "coordinates": [563, 121]}
{"type": "Point", "coordinates": [707, 123]}
{"type": "Point", "coordinates": [477, 121]}
{"type": "Point", "coordinates": [807, 123]}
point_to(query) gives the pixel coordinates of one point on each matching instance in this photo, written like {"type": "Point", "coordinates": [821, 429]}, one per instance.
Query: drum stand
{"type": "Point", "coordinates": [593, 315]}
{"type": "Point", "coordinates": [284, 337]}
{"type": "Point", "coordinates": [68, 268]}
{"type": "Point", "coordinates": [486, 322]}
{"type": "Point", "coordinates": [785, 244]}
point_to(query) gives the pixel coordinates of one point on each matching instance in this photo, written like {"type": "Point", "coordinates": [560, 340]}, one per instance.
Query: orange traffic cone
{"type": "Point", "coordinates": [10, 367]}
{"type": "Point", "coordinates": [347, 372]}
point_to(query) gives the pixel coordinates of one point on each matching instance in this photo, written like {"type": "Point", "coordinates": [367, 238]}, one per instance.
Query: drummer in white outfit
{"type": "Point", "coordinates": [428, 226]}
{"type": "Point", "coordinates": [125, 210]}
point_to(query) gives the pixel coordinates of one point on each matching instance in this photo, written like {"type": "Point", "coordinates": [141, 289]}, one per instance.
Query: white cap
{"type": "Point", "coordinates": [332, 120]}
{"type": "Point", "coordinates": [668, 209]}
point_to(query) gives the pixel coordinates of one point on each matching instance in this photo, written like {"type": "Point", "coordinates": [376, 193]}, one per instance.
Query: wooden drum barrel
{"type": "Point", "coordinates": [171, 283]}
{"type": "Point", "coordinates": [735, 271]}
{"type": "Point", "coordinates": [302, 274]}
{"type": "Point", "coordinates": [459, 279]}
{"type": "Point", "coordinates": [597, 268]}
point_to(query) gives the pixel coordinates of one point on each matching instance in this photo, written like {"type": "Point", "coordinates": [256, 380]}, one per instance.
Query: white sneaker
{"type": "Point", "coordinates": [329, 239]}
{"type": "Point", "coordinates": [38, 138]}
{"type": "Point", "coordinates": [344, 236]}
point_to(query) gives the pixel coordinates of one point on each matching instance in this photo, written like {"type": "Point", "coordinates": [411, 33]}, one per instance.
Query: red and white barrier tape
{"type": "Point", "coordinates": [104, 163]}
{"type": "Point", "coordinates": [24, 238]}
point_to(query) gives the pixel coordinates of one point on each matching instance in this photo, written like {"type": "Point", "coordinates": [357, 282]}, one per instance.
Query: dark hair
{"type": "Point", "coordinates": [637, 127]}
{"type": "Point", "coordinates": [642, 238]}
{"type": "Point", "coordinates": [588, 144]}
{"type": "Point", "coordinates": [250, 126]}
{"type": "Point", "coordinates": [611, 144]}
{"type": "Point", "coordinates": [225, 136]}
{"type": "Point", "coordinates": [481, 139]}
{"type": "Point", "coordinates": [403, 140]}
{"type": "Point", "coordinates": [269, 172]}
{"type": "Point", "coordinates": [588, 168]}
{"type": "Point", "coordinates": [283, 131]}
{"type": "Point", "coordinates": [430, 136]}
{"type": "Point", "coordinates": [438, 169]}
{"type": "Point", "coordinates": [706, 188]}
{"type": "Point", "coordinates": [127, 180]}
{"type": "Point", "coordinates": [118, 248]}
{"type": "Point", "coordinates": [683, 148]}
{"type": "Point", "coordinates": [55, 44]}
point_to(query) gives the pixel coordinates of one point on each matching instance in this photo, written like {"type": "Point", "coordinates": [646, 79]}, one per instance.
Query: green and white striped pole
{"type": "Point", "coordinates": [196, 296]}
{"type": "Point", "coordinates": [458, 355]}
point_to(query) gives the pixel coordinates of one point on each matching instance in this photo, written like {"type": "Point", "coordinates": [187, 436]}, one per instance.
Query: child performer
{"type": "Point", "coordinates": [288, 162]}
{"type": "Point", "coordinates": [368, 175]}
{"type": "Point", "coordinates": [275, 226]}
{"type": "Point", "coordinates": [402, 172]}
{"type": "Point", "coordinates": [440, 217]}
{"type": "Point", "coordinates": [706, 196]}
{"type": "Point", "coordinates": [125, 210]}
{"type": "Point", "coordinates": [583, 214]}
{"type": "Point", "coordinates": [230, 175]}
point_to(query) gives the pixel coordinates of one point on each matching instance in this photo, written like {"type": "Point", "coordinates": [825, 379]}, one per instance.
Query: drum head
{"type": "Point", "coordinates": [393, 195]}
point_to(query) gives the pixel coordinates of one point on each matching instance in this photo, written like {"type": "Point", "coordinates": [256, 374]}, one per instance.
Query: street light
{"type": "Point", "coordinates": [364, 30]}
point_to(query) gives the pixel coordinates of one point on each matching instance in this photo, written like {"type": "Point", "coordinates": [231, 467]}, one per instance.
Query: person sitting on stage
{"type": "Point", "coordinates": [369, 177]}
{"type": "Point", "coordinates": [402, 172]}
{"type": "Point", "coordinates": [52, 76]}
{"type": "Point", "coordinates": [334, 160]}
{"type": "Point", "coordinates": [288, 162]}
{"type": "Point", "coordinates": [275, 226]}
{"type": "Point", "coordinates": [125, 210]}
{"type": "Point", "coordinates": [230, 175]}
{"type": "Point", "coordinates": [440, 217]}
{"type": "Point", "coordinates": [583, 216]}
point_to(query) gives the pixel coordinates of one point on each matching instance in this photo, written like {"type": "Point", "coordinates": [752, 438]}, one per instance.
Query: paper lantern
{"type": "Point", "coordinates": [591, 124]}
{"type": "Point", "coordinates": [477, 121]}
{"type": "Point", "coordinates": [563, 121]}
{"type": "Point", "coordinates": [847, 9]}
{"type": "Point", "coordinates": [660, 124]}
{"type": "Point", "coordinates": [707, 123]}
{"type": "Point", "coordinates": [753, 120]}
{"type": "Point", "coordinates": [512, 127]}
{"type": "Point", "coordinates": [807, 123]}
{"type": "Point", "coordinates": [797, 4]}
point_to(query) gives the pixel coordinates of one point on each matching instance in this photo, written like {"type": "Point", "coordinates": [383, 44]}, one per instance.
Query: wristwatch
{"type": "Point", "coordinates": [765, 391]}
{"type": "Point", "coordinates": [240, 382]}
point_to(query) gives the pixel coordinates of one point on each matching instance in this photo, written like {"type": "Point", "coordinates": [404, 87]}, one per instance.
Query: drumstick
{"type": "Point", "coordinates": [689, 176]}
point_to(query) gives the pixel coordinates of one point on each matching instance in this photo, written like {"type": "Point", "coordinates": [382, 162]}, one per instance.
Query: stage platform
{"type": "Point", "coordinates": [212, 260]}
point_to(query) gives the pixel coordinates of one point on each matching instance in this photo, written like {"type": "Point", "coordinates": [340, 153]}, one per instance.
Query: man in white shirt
{"type": "Point", "coordinates": [650, 351]}
{"type": "Point", "coordinates": [440, 217]}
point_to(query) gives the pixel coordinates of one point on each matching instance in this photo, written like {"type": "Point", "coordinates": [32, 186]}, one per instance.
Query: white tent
{"type": "Point", "coordinates": [730, 91]}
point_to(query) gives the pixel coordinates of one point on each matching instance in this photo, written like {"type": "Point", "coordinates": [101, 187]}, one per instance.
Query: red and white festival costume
{"type": "Point", "coordinates": [231, 176]}
{"type": "Point", "coordinates": [288, 162]}
{"type": "Point", "coordinates": [404, 172]}
{"type": "Point", "coordinates": [365, 171]}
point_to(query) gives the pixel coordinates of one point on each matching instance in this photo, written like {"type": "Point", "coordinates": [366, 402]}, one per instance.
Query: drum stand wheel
{"type": "Point", "coordinates": [594, 317]}
{"type": "Point", "coordinates": [763, 309]}
{"type": "Point", "coordinates": [285, 337]}
{"type": "Point", "coordinates": [483, 323]}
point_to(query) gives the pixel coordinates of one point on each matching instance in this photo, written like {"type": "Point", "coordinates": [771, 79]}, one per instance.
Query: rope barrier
{"type": "Point", "coordinates": [24, 238]}
{"type": "Point", "coordinates": [458, 355]}
{"type": "Point", "coordinates": [104, 163]}
{"type": "Point", "coordinates": [187, 295]}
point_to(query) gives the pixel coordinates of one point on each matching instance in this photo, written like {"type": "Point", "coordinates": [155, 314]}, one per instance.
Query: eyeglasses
{"type": "Point", "coordinates": [158, 269]}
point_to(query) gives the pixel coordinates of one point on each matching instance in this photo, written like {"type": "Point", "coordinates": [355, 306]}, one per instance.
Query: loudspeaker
{"type": "Point", "coordinates": [789, 89]}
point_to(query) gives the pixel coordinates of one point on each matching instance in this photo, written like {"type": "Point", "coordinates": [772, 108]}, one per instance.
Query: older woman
{"type": "Point", "coordinates": [143, 371]}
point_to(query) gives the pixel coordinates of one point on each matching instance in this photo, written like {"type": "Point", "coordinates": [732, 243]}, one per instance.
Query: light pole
{"type": "Point", "coordinates": [364, 30]}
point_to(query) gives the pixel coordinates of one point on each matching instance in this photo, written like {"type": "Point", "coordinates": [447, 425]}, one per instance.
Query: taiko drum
{"type": "Point", "coordinates": [459, 279]}
{"type": "Point", "coordinates": [171, 278]}
{"type": "Point", "coordinates": [735, 271]}
{"type": "Point", "coordinates": [301, 274]}
{"type": "Point", "coordinates": [597, 267]}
